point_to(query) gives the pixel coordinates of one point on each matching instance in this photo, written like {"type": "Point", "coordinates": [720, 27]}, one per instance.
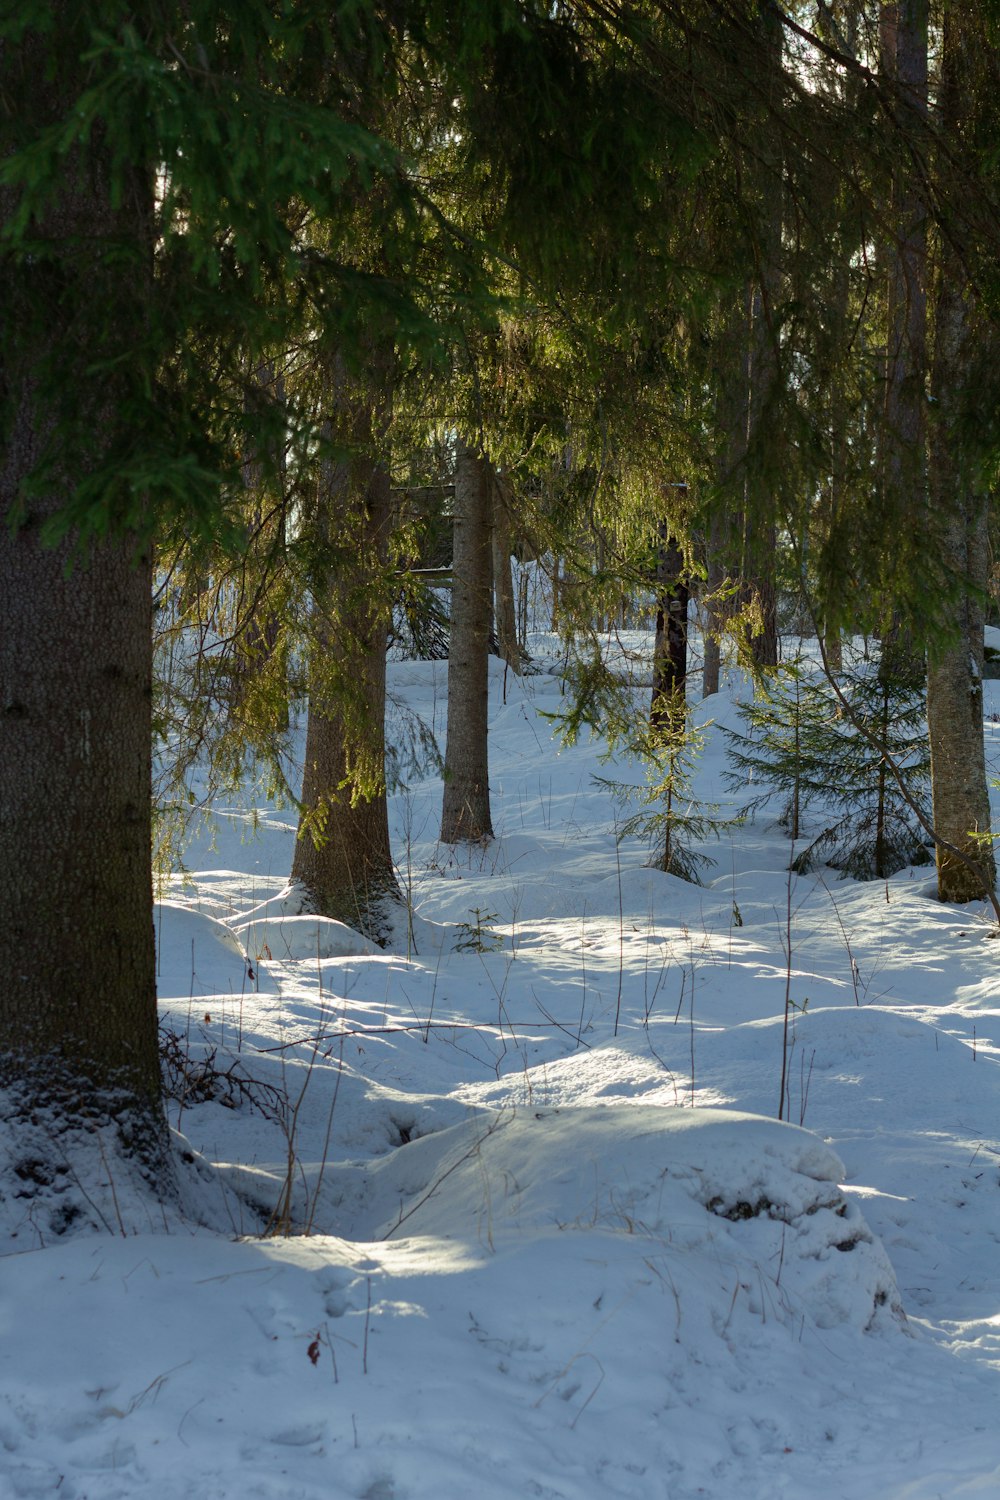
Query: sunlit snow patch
{"type": "Point", "coordinates": [300, 937]}
{"type": "Point", "coordinates": [759, 1197]}
{"type": "Point", "coordinates": [198, 956]}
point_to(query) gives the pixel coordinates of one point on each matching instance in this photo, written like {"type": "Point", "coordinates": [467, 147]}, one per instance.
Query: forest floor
{"type": "Point", "coordinates": [508, 1212]}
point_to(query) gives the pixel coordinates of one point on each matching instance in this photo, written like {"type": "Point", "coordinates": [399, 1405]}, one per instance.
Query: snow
{"type": "Point", "coordinates": [548, 1237]}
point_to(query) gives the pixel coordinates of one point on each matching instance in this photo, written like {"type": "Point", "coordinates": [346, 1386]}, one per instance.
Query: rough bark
{"type": "Point", "coordinates": [465, 814]}
{"type": "Point", "coordinates": [77, 975]}
{"type": "Point", "coordinates": [959, 789]}
{"type": "Point", "coordinates": [78, 1019]}
{"type": "Point", "coordinates": [343, 858]}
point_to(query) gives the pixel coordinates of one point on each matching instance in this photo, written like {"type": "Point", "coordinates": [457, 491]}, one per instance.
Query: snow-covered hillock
{"type": "Point", "coordinates": [754, 1196]}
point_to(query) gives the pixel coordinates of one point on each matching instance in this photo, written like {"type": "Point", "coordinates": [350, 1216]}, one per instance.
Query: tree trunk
{"type": "Point", "coordinates": [259, 684]}
{"type": "Point", "coordinates": [834, 650]}
{"type": "Point", "coordinates": [78, 1024]}
{"type": "Point", "coordinates": [713, 611]}
{"type": "Point", "coordinates": [743, 547]}
{"type": "Point", "coordinates": [556, 599]}
{"type": "Point", "coordinates": [78, 1019]}
{"type": "Point", "coordinates": [763, 374]}
{"type": "Point", "coordinates": [668, 710]}
{"type": "Point", "coordinates": [959, 789]}
{"type": "Point", "coordinates": [343, 858]}
{"type": "Point", "coordinates": [504, 609]}
{"type": "Point", "coordinates": [465, 815]}
{"type": "Point", "coordinates": [903, 455]}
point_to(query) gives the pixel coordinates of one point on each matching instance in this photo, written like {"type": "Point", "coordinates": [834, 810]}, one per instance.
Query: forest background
{"type": "Point", "coordinates": [303, 306]}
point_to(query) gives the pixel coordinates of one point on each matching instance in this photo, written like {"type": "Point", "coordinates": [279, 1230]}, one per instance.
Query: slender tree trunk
{"type": "Point", "coordinates": [959, 787]}
{"type": "Point", "coordinates": [343, 858]}
{"type": "Point", "coordinates": [556, 599]}
{"type": "Point", "coordinates": [742, 547]}
{"type": "Point", "coordinates": [258, 651]}
{"type": "Point", "coordinates": [763, 374]}
{"type": "Point", "coordinates": [522, 611]}
{"type": "Point", "coordinates": [465, 815]}
{"type": "Point", "coordinates": [903, 435]}
{"type": "Point", "coordinates": [670, 649]}
{"type": "Point", "coordinates": [760, 545]}
{"type": "Point", "coordinates": [78, 1019]}
{"type": "Point", "coordinates": [713, 609]}
{"type": "Point", "coordinates": [504, 610]}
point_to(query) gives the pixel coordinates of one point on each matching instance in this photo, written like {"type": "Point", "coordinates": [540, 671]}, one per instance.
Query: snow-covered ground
{"type": "Point", "coordinates": [550, 1239]}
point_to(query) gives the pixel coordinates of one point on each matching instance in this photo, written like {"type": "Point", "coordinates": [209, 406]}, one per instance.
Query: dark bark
{"type": "Point", "coordinates": [959, 788]}
{"type": "Point", "coordinates": [77, 979]}
{"type": "Point", "coordinates": [465, 814]}
{"type": "Point", "coordinates": [759, 587]}
{"type": "Point", "coordinates": [903, 445]}
{"type": "Point", "coordinates": [670, 649]}
{"type": "Point", "coordinates": [343, 857]}
{"type": "Point", "coordinates": [78, 1020]}
{"type": "Point", "coordinates": [742, 548]}
{"type": "Point", "coordinates": [713, 610]}
{"type": "Point", "coordinates": [257, 650]}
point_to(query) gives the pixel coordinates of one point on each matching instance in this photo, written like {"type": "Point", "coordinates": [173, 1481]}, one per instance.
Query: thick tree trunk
{"type": "Point", "coordinates": [77, 975]}
{"type": "Point", "coordinates": [78, 1020]}
{"type": "Point", "coordinates": [959, 787]}
{"type": "Point", "coordinates": [465, 815]}
{"type": "Point", "coordinates": [343, 858]}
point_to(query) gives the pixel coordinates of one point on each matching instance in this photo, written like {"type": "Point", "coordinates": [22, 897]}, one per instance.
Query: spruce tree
{"type": "Point", "coordinates": [802, 748]}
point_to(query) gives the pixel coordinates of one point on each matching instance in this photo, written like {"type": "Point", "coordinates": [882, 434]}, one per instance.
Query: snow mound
{"type": "Point", "coordinates": [302, 937]}
{"type": "Point", "coordinates": [199, 956]}
{"type": "Point", "coordinates": [750, 1195]}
